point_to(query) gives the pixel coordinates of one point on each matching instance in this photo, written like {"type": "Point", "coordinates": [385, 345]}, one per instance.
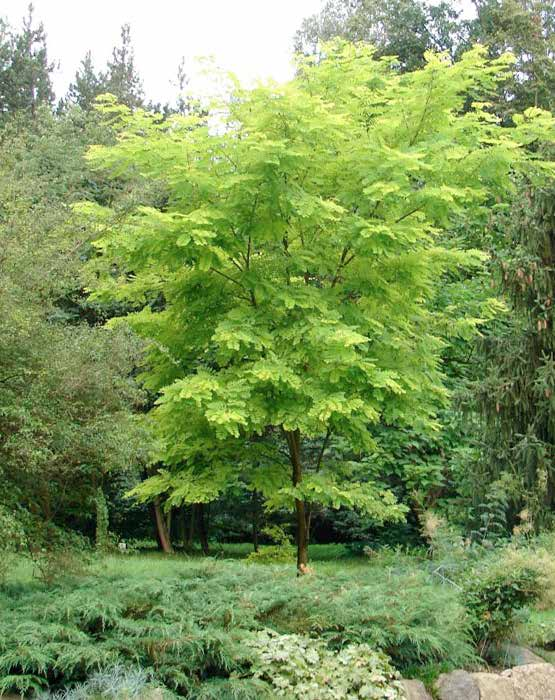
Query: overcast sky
{"type": "Point", "coordinates": [252, 38]}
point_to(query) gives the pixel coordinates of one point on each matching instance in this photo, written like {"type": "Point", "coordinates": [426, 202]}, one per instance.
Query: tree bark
{"type": "Point", "coordinates": [163, 534]}
{"type": "Point", "coordinates": [294, 444]}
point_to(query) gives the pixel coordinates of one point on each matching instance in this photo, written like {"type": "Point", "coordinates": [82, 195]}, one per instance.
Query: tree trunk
{"type": "Point", "coordinates": [182, 526]}
{"type": "Point", "coordinates": [202, 529]}
{"type": "Point", "coordinates": [191, 529]}
{"type": "Point", "coordinates": [169, 523]}
{"type": "Point", "coordinates": [255, 520]}
{"type": "Point", "coordinates": [163, 534]}
{"type": "Point", "coordinates": [294, 444]}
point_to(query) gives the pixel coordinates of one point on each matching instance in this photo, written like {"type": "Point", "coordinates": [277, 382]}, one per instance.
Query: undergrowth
{"type": "Point", "coordinates": [188, 624]}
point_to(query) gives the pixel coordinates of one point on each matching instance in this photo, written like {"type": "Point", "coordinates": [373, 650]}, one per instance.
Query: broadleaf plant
{"type": "Point", "coordinates": [285, 285]}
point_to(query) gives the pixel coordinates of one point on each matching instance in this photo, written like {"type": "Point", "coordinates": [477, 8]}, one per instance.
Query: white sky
{"type": "Point", "coordinates": [252, 38]}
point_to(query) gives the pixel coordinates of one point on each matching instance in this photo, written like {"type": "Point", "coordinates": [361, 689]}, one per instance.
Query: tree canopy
{"type": "Point", "coordinates": [296, 255]}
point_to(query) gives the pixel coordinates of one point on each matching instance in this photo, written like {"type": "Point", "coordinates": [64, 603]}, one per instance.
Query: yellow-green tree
{"type": "Point", "coordinates": [290, 268]}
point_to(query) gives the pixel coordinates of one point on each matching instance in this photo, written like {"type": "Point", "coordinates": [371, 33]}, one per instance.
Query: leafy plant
{"type": "Point", "coordinates": [493, 594]}
{"type": "Point", "coordinates": [281, 552]}
{"type": "Point", "coordinates": [298, 267]}
{"type": "Point", "coordinates": [300, 667]}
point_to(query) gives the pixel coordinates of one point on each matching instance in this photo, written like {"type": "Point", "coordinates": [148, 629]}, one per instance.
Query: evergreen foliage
{"type": "Point", "coordinates": [25, 70]}
{"type": "Point", "coordinates": [189, 625]}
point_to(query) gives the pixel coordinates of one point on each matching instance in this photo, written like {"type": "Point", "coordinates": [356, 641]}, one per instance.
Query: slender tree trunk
{"type": "Point", "coordinates": [169, 523]}
{"type": "Point", "coordinates": [254, 502]}
{"type": "Point", "coordinates": [191, 529]}
{"type": "Point", "coordinates": [163, 534]}
{"type": "Point", "coordinates": [182, 526]}
{"type": "Point", "coordinates": [294, 444]}
{"type": "Point", "coordinates": [202, 529]}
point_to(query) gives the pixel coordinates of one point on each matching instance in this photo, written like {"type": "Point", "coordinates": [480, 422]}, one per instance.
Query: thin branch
{"type": "Point", "coordinates": [409, 213]}
{"type": "Point", "coordinates": [323, 449]}
{"type": "Point", "coordinates": [343, 262]}
{"type": "Point", "coordinates": [227, 277]}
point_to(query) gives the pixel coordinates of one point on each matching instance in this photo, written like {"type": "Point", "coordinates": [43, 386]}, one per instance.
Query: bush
{"type": "Point", "coordinates": [300, 667]}
{"type": "Point", "coordinates": [115, 683]}
{"type": "Point", "coordinates": [281, 552]}
{"type": "Point", "coordinates": [494, 593]}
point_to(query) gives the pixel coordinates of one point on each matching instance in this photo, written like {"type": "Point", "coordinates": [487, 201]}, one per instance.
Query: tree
{"type": "Point", "coordinates": [517, 364]}
{"type": "Point", "coordinates": [66, 395]}
{"type": "Point", "coordinates": [296, 257]}
{"type": "Point", "coordinates": [122, 79]}
{"type": "Point", "coordinates": [25, 70]}
{"type": "Point", "coordinates": [527, 29]}
{"type": "Point", "coordinates": [88, 84]}
{"type": "Point", "coordinates": [402, 28]}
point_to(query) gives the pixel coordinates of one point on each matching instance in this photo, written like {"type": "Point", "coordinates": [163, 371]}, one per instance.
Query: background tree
{"type": "Point", "coordinates": [403, 28]}
{"type": "Point", "coordinates": [25, 71]}
{"type": "Point", "coordinates": [122, 78]}
{"type": "Point", "coordinates": [66, 395]}
{"type": "Point", "coordinates": [88, 84]}
{"type": "Point", "coordinates": [526, 28]}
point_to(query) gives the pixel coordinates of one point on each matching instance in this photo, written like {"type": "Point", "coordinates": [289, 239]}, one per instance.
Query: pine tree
{"type": "Point", "coordinates": [88, 84]}
{"type": "Point", "coordinates": [25, 71]}
{"type": "Point", "coordinates": [122, 79]}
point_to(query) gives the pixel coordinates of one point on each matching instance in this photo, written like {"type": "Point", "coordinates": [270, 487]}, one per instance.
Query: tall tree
{"type": "Point", "coordinates": [296, 257]}
{"type": "Point", "coordinates": [25, 71]}
{"type": "Point", "coordinates": [87, 85]}
{"type": "Point", "coordinates": [122, 78]}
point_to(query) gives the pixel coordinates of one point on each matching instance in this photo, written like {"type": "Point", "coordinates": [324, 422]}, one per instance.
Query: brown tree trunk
{"type": "Point", "coordinates": [202, 529]}
{"type": "Point", "coordinates": [163, 534]}
{"type": "Point", "coordinates": [294, 444]}
{"type": "Point", "coordinates": [254, 502]}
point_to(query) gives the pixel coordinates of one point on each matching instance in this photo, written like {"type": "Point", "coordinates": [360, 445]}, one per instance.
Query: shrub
{"type": "Point", "coordinates": [188, 622]}
{"type": "Point", "coordinates": [493, 593]}
{"type": "Point", "coordinates": [281, 552]}
{"type": "Point", "coordinates": [300, 667]}
{"type": "Point", "coordinates": [115, 683]}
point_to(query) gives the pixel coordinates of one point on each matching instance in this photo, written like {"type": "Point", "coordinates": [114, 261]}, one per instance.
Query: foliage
{"type": "Point", "coordinates": [66, 394]}
{"type": "Point", "coordinates": [25, 71]}
{"type": "Point", "coordinates": [493, 595]}
{"type": "Point", "coordinates": [114, 683]}
{"type": "Point", "coordinates": [303, 280]}
{"type": "Point", "coordinates": [119, 79]}
{"type": "Point", "coordinates": [515, 375]}
{"type": "Point", "coordinates": [102, 522]}
{"type": "Point", "coordinates": [406, 29]}
{"type": "Point", "coordinates": [282, 551]}
{"type": "Point", "coordinates": [527, 29]}
{"type": "Point", "coordinates": [187, 622]}
{"type": "Point", "coordinates": [299, 667]}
